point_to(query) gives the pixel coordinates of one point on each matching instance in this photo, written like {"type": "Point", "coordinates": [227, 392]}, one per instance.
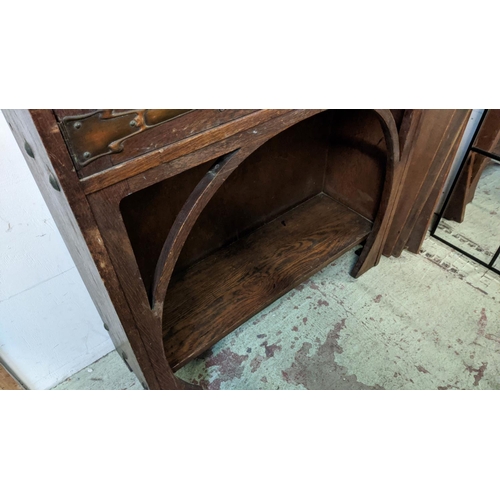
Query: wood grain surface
{"type": "Point", "coordinates": [213, 297]}
{"type": "Point", "coordinates": [428, 154]}
{"type": "Point", "coordinates": [145, 162]}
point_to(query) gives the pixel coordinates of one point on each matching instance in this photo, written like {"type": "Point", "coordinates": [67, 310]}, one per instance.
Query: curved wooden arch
{"type": "Point", "coordinates": [185, 220]}
{"type": "Point", "coordinates": [373, 248]}
{"type": "Point", "coordinates": [222, 169]}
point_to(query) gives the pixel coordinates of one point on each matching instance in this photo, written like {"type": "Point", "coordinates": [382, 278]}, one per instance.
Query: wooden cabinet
{"type": "Point", "coordinates": [185, 223]}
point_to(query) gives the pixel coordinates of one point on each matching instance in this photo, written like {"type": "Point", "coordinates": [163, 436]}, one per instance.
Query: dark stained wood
{"type": "Point", "coordinates": [356, 161]}
{"type": "Point", "coordinates": [410, 127]}
{"type": "Point", "coordinates": [149, 214]}
{"type": "Point", "coordinates": [185, 221]}
{"type": "Point", "coordinates": [193, 123]}
{"type": "Point", "coordinates": [373, 248]}
{"type": "Point", "coordinates": [107, 132]}
{"type": "Point", "coordinates": [399, 115]}
{"type": "Point", "coordinates": [284, 171]}
{"type": "Point", "coordinates": [487, 137]}
{"type": "Point", "coordinates": [410, 130]}
{"type": "Point", "coordinates": [437, 132]}
{"type": "Point", "coordinates": [105, 206]}
{"type": "Point", "coordinates": [197, 121]}
{"type": "Point", "coordinates": [407, 132]}
{"type": "Point", "coordinates": [173, 151]}
{"type": "Point", "coordinates": [419, 230]}
{"type": "Point", "coordinates": [464, 190]}
{"type": "Point", "coordinates": [201, 120]}
{"type": "Point", "coordinates": [260, 134]}
{"type": "Point", "coordinates": [213, 297]}
{"type": "Point", "coordinates": [414, 232]}
{"type": "Point", "coordinates": [455, 210]}
{"type": "Point", "coordinates": [257, 188]}
{"type": "Point", "coordinates": [281, 172]}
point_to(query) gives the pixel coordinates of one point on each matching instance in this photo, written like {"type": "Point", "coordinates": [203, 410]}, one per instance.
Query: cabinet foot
{"type": "Point", "coordinates": [186, 386]}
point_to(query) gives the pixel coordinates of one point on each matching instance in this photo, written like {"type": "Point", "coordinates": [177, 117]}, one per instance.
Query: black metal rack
{"type": "Point", "coordinates": [470, 148]}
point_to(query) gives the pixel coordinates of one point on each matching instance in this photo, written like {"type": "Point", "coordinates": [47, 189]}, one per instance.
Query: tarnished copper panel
{"type": "Point", "coordinates": [103, 132]}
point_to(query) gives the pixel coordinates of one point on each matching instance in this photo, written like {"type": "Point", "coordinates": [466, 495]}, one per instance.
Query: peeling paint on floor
{"type": "Point", "coordinates": [417, 322]}
{"type": "Point", "coordinates": [428, 321]}
{"type": "Point", "coordinates": [477, 234]}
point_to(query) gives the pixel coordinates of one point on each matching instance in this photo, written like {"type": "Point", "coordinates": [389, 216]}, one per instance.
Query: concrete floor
{"type": "Point", "coordinates": [428, 321]}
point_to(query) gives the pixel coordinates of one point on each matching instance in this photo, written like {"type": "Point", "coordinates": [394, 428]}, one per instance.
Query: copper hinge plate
{"type": "Point", "coordinates": [104, 131]}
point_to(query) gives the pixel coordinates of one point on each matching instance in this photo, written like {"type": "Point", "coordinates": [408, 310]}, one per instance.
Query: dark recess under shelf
{"type": "Point", "coordinates": [216, 295]}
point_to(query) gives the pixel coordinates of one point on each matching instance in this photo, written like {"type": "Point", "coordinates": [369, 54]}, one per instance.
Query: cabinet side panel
{"type": "Point", "coordinates": [437, 135]}
{"type": "Point", "coordinates": [61, 191]}
{"type": "Point", "coordinates": [422, 222]}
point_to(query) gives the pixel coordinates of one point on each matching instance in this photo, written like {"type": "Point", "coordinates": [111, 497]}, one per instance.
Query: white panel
{"type": "Point", "coordinates": [51, 331]}
{"type": "Point", "coordinates": [31, 248]}
{"type": "Point", "coordinates": [49, 327]}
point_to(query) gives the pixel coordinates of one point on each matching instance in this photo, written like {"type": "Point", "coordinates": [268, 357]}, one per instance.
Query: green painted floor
{"type": "Point", "coordinates": [428, 321]}
{"type": "Point", "coordinates": [478, 234]}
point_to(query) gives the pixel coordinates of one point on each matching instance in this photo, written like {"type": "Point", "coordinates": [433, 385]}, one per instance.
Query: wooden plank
{"type": "Point", "coordinates": [7, 381]}
{"type": "Point", "coordinates": [286, 170]}
{"type": "Point", "coordinates": [215, 296]}
{"type": "Point", "coordinates": [419, 229]}
{"type": "Point", "coordinates": [191, 123]}
{"type": "Point", "coordinates": [105, 206]}
{"type": "Point", "coordinates": [422, 153]}
{"type": "Point", "coordinates": [356, 160]}
{"type": "Point", "coordinates": [409, 128]}
{"type": "Point", "coordinates": [487, 138]}
{"type": "Point", "coordinates": [185, 221]}
{"type": "Point", "coordinates": [372, 251]}
{"type": "Point", "coordinates": [420, 217]}
{"type": "Point", "coordinates": [168, 153]}
{"type": "Point", "coordinates": [436, 135]}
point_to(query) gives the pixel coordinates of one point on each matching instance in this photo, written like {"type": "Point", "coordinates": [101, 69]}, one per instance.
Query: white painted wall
{"type": "Point", "coordinates": [49, 327]}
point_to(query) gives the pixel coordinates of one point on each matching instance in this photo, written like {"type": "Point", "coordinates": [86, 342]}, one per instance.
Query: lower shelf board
{"type": "Point", "coordinates": [218, 294]}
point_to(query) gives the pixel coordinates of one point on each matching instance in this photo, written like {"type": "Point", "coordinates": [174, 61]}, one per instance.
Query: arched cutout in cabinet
{"type": "Point", "coordinates": [260, 219]}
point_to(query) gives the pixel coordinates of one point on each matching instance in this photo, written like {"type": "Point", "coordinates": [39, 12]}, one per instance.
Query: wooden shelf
{"type": "Point", "coordinates": [216, 295]}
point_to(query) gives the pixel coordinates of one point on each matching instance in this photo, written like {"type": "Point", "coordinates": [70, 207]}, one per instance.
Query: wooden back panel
{"type": "Point", "coordinates": [300, 162]}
